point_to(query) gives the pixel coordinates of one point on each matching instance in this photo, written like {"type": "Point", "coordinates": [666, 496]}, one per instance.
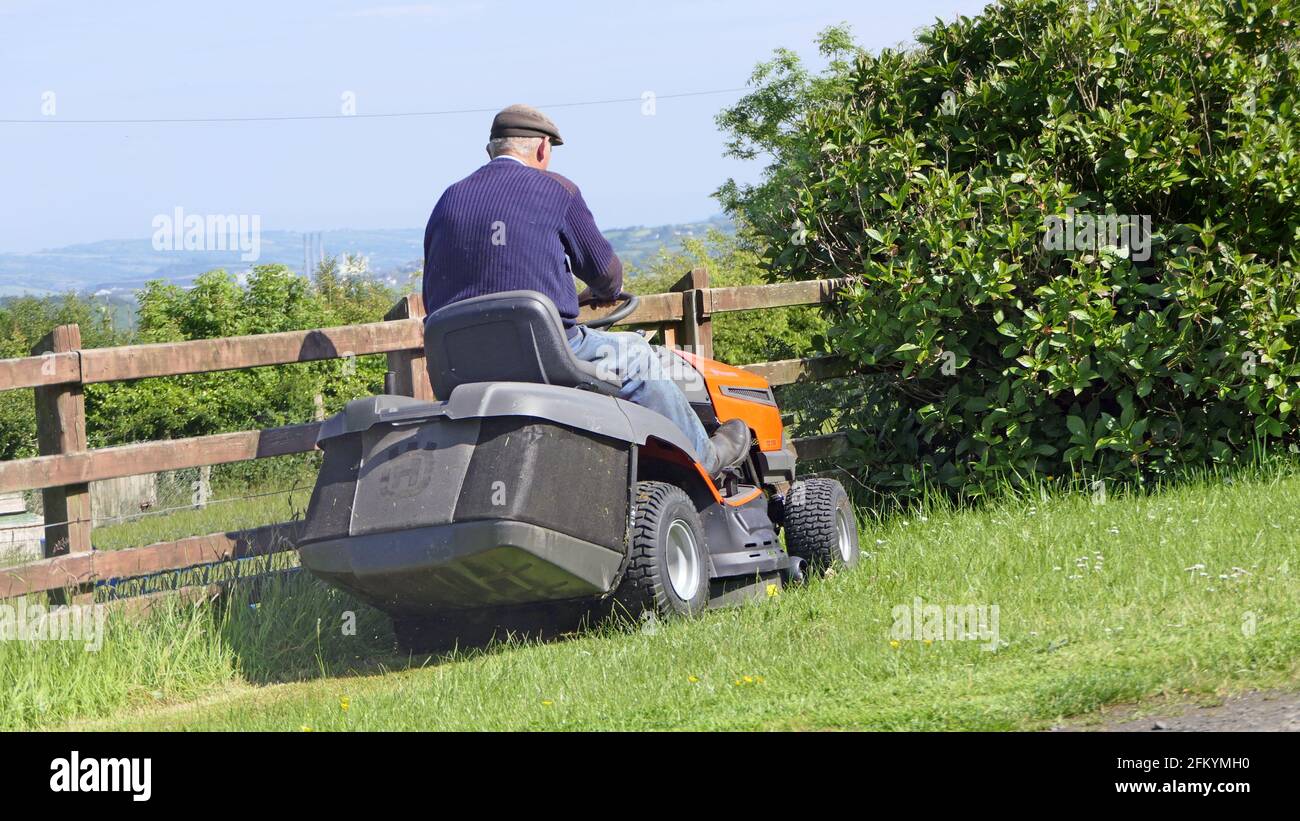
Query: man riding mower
{"type": "Point", "coordinates": [564, 468]}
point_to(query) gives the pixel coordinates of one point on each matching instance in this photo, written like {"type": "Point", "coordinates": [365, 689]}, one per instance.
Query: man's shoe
{"type": "Point", "coordinates": [730, 445]}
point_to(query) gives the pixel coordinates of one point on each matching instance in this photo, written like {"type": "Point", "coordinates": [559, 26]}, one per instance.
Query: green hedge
{"type": "Point", "coordinates": [949, 181]}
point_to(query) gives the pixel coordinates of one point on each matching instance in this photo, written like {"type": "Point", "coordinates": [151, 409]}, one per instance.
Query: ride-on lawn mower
{"type": "Point", "coordinates": [530, 493]}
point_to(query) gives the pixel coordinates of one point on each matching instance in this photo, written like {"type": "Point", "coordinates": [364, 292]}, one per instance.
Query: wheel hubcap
{"type": "Point", "coordinates": [843, 536]}
{"type": "Point", "coordinates": [683, 560]}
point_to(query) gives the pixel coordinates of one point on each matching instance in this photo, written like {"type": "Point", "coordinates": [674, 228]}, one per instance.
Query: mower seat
{"type": "Point", "coordinates": [513, 336]}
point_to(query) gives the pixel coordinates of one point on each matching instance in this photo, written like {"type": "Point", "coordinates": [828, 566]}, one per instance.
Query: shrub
{"type": "Point", "coordinates": [947, 181]}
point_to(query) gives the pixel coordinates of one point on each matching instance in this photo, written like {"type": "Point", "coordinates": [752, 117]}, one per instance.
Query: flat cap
{"type": "Point", "coordinates": [524, 121]}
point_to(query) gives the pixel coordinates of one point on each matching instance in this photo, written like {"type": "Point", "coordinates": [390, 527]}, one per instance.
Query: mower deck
{"type": "Point", "coordinates": [464, 565]}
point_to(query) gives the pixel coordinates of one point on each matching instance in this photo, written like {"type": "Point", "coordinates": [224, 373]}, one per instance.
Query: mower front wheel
{"type": "Point", "coordinates": [819, 525]}
{"type": "Point", "coordinates": [668, 566]}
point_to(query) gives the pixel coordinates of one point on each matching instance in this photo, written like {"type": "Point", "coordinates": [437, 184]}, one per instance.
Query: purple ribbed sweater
{"type": "Point", "coordinates": [509, 227]}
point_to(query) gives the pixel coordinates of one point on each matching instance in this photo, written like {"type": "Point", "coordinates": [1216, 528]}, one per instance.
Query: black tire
{"type": "Point", "coordinates": [648, 583]}
{"type": "Point", "coordinates": [820, 527]}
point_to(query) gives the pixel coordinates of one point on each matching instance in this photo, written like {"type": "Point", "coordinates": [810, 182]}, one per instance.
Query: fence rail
{"type": "Point", "coordinates": [59, 368]}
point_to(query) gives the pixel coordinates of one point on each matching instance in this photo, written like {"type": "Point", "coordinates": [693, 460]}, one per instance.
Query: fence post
{"type": "Point", "coordinates": [407, 374]}
{"type": "Point", "coordinates": [668, 330]}
{"type": "Point", "coordinates": [61, 428]}
{"type": "Point", "coordinates": [697, 326]}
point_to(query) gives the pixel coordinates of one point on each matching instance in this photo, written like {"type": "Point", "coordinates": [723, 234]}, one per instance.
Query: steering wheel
{"type": "Point", "coordinates": [622, 312]}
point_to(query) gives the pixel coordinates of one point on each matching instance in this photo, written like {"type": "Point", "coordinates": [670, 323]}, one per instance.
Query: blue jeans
{"type": "Point", "coordinates": [646, 378]}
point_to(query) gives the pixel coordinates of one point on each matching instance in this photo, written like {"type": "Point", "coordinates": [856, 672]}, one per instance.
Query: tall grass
{"type": "Point", "coordinates": [279, 629]}
{"type": "Point", "coordinates": [1183, 592]}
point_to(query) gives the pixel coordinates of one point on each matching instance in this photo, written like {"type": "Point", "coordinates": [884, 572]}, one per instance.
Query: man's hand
{"type": "Point", "coordinates": [585, 298]}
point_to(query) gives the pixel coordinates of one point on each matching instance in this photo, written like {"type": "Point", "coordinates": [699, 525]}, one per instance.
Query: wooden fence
{"type": "Point", "coordinates": [59, 369]}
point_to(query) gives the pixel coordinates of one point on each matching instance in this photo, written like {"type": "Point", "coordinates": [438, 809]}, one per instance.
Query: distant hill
{"type": "Point", "coordinates": [638, 245]}
{"type": "Point", "coordinates": [118, 267]}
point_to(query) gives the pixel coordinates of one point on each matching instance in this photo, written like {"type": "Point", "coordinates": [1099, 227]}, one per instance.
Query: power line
{"type": "Point", "coordinates": [382, 116]}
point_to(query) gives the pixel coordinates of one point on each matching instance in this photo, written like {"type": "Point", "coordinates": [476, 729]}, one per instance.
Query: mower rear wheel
{"type": "Point", "coordinates": [668, 567]}
{"type": "Point", "coordinates": [819, 525]}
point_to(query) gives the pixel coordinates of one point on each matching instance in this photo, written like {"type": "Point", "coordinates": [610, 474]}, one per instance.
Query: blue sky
{"type": "Point", "coordinates": [76, 183]}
